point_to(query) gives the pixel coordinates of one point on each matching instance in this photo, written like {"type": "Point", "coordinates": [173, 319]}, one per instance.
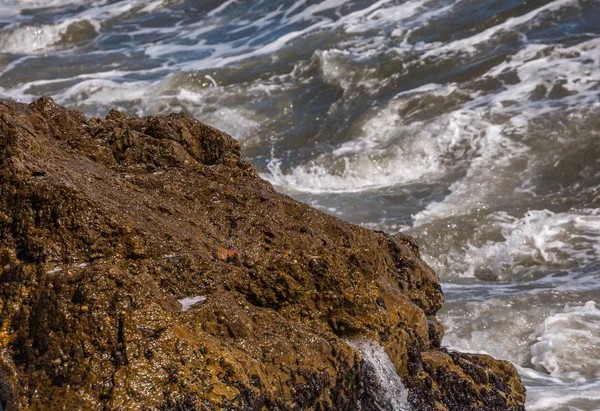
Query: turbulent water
{"type": "Point", "coordinates": [473, 125]}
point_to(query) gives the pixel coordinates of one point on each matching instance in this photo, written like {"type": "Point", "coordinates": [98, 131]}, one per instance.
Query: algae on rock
{"type": "Point", "coordinates": [106, 224]}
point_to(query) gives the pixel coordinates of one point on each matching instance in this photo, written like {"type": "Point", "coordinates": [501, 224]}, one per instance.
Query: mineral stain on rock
{"type": "Point", "coordinates": [106, 225]}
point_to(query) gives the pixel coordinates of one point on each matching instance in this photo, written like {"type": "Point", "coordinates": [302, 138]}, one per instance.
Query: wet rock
{"type": "Point", "coordinates": [106, 224]}
{"type": "Point", "coordinates": [436, 332]}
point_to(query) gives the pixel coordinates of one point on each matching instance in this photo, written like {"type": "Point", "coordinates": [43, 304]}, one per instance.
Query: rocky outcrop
{"type": "Point", "coordinates": [106, 224]}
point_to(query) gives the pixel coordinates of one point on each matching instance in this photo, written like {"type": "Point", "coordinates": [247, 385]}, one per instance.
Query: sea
{"type": "Point", "coordinates": [472, 125]}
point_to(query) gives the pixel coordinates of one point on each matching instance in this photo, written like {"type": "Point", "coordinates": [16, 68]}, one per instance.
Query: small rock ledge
{"type": "Point", "coordinates": [106, 224]}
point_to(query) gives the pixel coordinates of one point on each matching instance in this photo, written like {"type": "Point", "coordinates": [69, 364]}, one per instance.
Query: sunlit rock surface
{"type": "Point", "coordinates": [146, 266]}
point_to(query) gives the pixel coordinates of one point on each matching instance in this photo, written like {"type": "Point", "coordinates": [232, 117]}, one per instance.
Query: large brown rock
{"type": "Point", "coordinates": [105, 224]}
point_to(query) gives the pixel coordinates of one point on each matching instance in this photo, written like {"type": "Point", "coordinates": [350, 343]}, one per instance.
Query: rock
{"type": "Point", "coordinates": [105, 224]}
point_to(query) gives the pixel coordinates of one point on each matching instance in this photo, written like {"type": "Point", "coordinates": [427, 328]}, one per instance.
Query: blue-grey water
{"type": "Point", "coordinates": [472, 125]}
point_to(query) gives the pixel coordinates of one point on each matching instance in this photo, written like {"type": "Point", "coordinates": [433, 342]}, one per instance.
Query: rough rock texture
{"type": "Point", "coordinates": [105, 224]}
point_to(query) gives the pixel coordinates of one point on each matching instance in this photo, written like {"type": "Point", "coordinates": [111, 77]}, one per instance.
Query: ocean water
{"type": "Point", "coordinates": [473, 125]}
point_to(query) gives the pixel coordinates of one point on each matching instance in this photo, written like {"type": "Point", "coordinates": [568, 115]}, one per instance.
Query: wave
{"type": "Point", "coordinates": [566, 343]}
{"type": "Point", "coordinates": [507, 248]}
{"type": "Point", "coordinates": [558, 396]}
{"type": "Point", "coordinates": [555, 352]}
{"type": "Point", "coordinates": [42, 38]}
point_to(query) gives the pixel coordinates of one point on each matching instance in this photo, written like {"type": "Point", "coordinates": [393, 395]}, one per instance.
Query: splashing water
{"type": "Point", "coordinates": [386, 391]}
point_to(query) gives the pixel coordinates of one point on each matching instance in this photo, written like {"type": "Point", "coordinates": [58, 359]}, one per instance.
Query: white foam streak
{"type": "Point", "coordinates": [153, 6]}
{"type": "Point", "coordinates": [222, 7]}
{"type": "Point", "coordinates": [539, 241]}
{"type": "Point", "coordinates": [225, 54]}
{"type": "Point", "coordinates": [491, 171]}
{"type": "Point", "coordinates": [238, 122]}
{"type": "Point", "coordinates": [310, 12]}
{"type": "Point", "coordinates": [547, 393]}
{"type": "Point", "coordinates": [564, 397]}
{"type": "Point", "coordinates": [387, 153]}
{"type": "Point", "coordinates": [417, 151]}
{"type": "Point", "coordinates": [575, 68]}
{"type": "Point", "coordinates": [32, 39]}
{"type": "Point", "coordinates": [95, 9]}
{"type": "Point", "coordinates": [468, 44]}
{"type": "Point", "coordinates": [100, 91]}
{"type": "Point", "coordinates": [373, 16]}
{"type": "Point", "coordinates": [48, 3]}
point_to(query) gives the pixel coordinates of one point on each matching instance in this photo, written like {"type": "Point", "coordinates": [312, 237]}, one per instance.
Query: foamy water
{"type": "Point", "coordinates": [472, 125]}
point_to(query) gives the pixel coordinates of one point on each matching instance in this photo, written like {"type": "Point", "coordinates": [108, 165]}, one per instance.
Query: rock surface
{"type": "Point", "coordinates": [106, 224]}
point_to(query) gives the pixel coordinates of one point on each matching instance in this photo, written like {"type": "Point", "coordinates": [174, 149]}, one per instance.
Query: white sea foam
{"type": "Point", "coordinates": [152, 6]}
{"type": "Point", "coordinates": [402, 16]}
{"type": "Point", "coordinates": [493, 325]}
{"type": "Point", "coordinates": [468, 44]}
{"type": "Point", "coordinates": [49, 3]}
{"type": "Point", "coordinates": [310, 18]}
{"type": "Point", "coordinates": [492, 173]}
{"type": "Point", "coordinates": [507, 247]}
{"type": "Point", "coordinates": [575, 68]}
{"type": "Point", "coordinates": [15, 7]}
{"type": "Point", "coordinates": [106, 92]}
{"type": "Point", "coordinates": [94, 10]}
{"type": "Point", "coordinates": [238, 122]}
{"type": "Point", "coordinates": [388, 152]}
{"type": "Point", "coordinates": [560, 396]}
{"type": "Point", "coordinates": [419, 149]}
{"type": "Point", "coordinates": [567, 343]}
{"type": "Point", "coordinates": [31, 39]}
{"type": "Point", "coordinates": [562, 349]}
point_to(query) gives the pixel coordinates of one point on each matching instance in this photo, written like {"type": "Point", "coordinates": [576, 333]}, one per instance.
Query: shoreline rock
{"type": "Point", "coordinates": [106, 224]}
